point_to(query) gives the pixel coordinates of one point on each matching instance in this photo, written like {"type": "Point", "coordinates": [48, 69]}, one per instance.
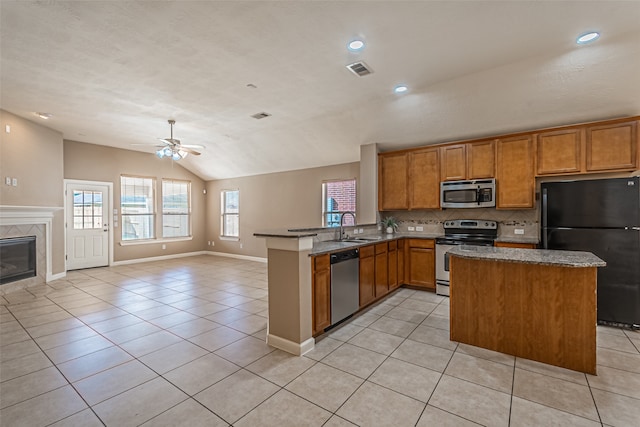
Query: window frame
{"type": "Point", "coordinates": [224, 214]}
{"type": "Point", "coordinates": [152, 215]}
{"type": "Point", "coordinates": [326, 212]}
{"type": "Point", "coordinates": [187, 214]}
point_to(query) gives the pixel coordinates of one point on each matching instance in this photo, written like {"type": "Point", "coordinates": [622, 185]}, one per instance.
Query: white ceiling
{"type": "Point", "coordinates": [112, 73]}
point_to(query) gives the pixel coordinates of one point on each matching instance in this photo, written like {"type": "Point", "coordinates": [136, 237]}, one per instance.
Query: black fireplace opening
{"type": "Point", "coordinates": [17, 258]}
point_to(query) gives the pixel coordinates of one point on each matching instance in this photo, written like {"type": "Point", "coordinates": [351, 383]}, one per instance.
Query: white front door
{"type": "Point", "coordinates": [87, 207]}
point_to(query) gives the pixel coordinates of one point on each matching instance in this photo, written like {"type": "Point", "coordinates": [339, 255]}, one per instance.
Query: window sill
{"type": "Point", "coordinates": [230, 238]}
{"type": "Point", "coordinates": [155, 241]}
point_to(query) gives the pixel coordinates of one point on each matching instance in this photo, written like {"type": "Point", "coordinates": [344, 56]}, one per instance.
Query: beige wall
{"type": "Point", "coordinates": [91, 162]}
{"type": "Point", "coordinates": [272, 201]}
{"type": "Point", "coordinates": [33, 154]}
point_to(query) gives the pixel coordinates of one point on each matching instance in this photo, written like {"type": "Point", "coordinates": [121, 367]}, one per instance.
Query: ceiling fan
{"type": "Point", "coordinates": [175, 150]}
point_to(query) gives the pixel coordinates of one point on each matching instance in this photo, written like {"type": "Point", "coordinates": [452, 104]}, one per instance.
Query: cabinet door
{"type": "Point", "coordinates": [612, 147]}
{"type": "Point", "coordinates": [424, 173]}
{"type": "Point", "coordinates": [392, 182]}
{"type": "Point", "coordinates": [515, 181]}
{"type": "Point", "coordinates": [401, 262]}
{"type": "Point", "coordinates": [421, 268]}
{"type": "Point", "coordinates": [321, 294]}
{"type": "Point", "coordinates": [453, 163]}
{"type": "Point", "coordinates": [381, 270]}
{"type": "Point", "coordinates": [393, 266]}
{"type": "Point", "coordinates": [367, 275]}
{"type": "Point", "coordinates": [481, 160]}
{"type": "Point", "coordinates": [559, 152]}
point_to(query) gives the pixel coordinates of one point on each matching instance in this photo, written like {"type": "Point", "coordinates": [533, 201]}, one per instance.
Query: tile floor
{"type": "Point", "coordinates": [182, 342]}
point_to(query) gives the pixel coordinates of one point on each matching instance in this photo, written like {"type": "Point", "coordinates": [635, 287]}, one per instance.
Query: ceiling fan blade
{"type": "Point", "coordinates": [146, 145]}
{"type": "Point", "coordinates": [188, 150]}
{"type": "Point", "coordinates": [170, 141]}
{"type": "Point", "coordinates": [194, 146]}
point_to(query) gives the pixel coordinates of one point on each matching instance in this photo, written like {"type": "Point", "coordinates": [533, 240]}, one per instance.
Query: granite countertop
{"type": "Point", "coordinates": [334, 246]}
{"type": "Point", "coordinates": [296, 234]}
{"type": "Point", "coordinates": [529, 256]}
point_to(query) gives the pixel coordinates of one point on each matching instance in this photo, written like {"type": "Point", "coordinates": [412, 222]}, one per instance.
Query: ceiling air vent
{"type": "Point", "coordinates": [359, 68]}
{"type": "Point", "coordinates": [259, 116]}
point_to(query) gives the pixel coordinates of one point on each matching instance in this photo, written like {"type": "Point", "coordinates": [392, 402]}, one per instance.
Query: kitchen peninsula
{"type": "Point", "coordinates": [535, 304]}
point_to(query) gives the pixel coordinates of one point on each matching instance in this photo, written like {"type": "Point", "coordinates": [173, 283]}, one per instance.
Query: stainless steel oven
{"type": "Point", "coordinates": [460, 232]}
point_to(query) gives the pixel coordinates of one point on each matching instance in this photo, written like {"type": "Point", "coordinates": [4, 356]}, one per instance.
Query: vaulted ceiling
{"type": "Point", "coordinates": [112, 73]}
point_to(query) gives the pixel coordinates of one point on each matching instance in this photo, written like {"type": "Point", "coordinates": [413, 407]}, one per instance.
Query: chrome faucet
{"type": "Point", "coordinates": [353, 215]}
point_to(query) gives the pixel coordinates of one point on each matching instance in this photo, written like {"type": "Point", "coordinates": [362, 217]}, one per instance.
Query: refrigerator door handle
{"type": "Point", "coordinates": [544, 218]}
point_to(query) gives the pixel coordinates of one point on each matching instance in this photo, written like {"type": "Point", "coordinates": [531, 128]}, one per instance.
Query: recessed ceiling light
{"type": "Point", "coordinates": [45, 116]}
{"type": "Point", "coordinates": [588, 37]}
{"type": "Point", "coordinates": [400, 89]}
{"type": "Point", "coordinates": [355, 45]}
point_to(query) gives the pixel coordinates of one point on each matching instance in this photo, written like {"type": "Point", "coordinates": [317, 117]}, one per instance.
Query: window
{"type": "Point", "coordinates": [338, 197]}
{"type": "Point", "coordinates": [176, 208]}
{"type": "Point", "coordinates": [230, 213]}
{"type": "Point", "coordinates": [137, 207]}
{"type": "Point", "coordinates": [87, 209]}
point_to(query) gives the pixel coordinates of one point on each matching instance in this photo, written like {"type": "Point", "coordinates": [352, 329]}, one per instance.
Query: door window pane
{"type": "Point", "coordinates": [87, 209]}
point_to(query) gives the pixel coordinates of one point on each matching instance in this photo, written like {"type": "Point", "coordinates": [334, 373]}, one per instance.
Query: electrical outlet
{"type": "Point", "coordinates": [518, 231]}
{"type": "Point", "coordinates": [419, 228]}
{"type": "Point", "coordinates": [7, 180]}
{"type": "Point", "coordinates": [411, 228]}
{"type": "Point", "coordinates": [164, 246]}
{"type": "Point", "coordinates": [7, 129]}
{"type": "Point", "coordinates": [209, 243]}
{"type": "Point", "coordinates": [14, 182]}
{"type": "Point", "coordinates": [361, 230]}
{"type": "Point", "coordinates": [240, 245]}
{"type": "Point", "coordinates": [213, 243]}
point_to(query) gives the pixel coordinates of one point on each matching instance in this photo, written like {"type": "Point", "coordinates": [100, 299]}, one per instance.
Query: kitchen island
{"type": "Point", "coordinates": [530, 303]}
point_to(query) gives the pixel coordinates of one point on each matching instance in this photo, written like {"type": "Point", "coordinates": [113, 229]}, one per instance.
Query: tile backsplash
{"type": "Point", "coordinates": [508, 220]}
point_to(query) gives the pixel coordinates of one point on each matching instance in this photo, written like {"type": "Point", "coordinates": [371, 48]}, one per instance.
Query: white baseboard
{"type": "Point", "coordinates": [290, 346]}
{"type": "Point", "coordinates": [52, 277]}
{"type": "Point", "coordinates": [245, 257]}
{"type": "Point", "coordinates": [158, 258]}
{"type": "Point", "coordinates": [187, 254]}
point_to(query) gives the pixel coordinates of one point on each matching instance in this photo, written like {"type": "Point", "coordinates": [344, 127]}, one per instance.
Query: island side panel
{"type": "Point", "coordinates": [289, 295]}
{"type": "Point", "coordinates": [539, 312]}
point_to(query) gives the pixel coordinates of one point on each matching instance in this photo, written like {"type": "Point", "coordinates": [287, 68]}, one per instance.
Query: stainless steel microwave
{"type": "Point", "coordinates": [479, 193]}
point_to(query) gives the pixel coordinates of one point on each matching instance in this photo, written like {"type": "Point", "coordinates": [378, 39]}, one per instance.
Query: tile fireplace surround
{"type": "Point", "coordinates": [20, 221]}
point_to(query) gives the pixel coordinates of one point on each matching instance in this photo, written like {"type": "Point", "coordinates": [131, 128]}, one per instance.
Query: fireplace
{"type": "Point", "coordinates": [17, 258]}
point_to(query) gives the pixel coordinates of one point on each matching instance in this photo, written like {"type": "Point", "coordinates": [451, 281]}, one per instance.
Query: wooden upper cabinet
{"type": "Point", "coordinates": [453, 163]}
{"type": "Point", "coordinates": [392, 181]}
{"type": "Point", "coordinates": [612, 147]}
{"type": "Point", "coordinates": [559, 152]}
{"type": "Point", "coordinates": [467, 161]}
{"type": "Point", "coordinates": [424, 179]}
{"type": "Point", "coordinates": [481, 160]}
{"type": "Point", "coordinates": [515, 180]}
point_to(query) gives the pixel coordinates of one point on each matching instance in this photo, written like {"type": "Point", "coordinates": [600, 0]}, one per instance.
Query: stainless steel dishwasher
{"type": "Point", "coordinates": [345, 295]}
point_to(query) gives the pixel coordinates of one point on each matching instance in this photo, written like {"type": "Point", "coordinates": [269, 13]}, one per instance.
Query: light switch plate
{"type": "Point", "coordinates": [14, 182]}
{"type": "Point", "coordinates": [7, 180]}
{"type": "Point", "coordinates": [518, 231]}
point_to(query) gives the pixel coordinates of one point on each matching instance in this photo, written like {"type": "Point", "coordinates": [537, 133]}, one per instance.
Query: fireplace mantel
{"type": "Point", "coordinates": [23, 215]}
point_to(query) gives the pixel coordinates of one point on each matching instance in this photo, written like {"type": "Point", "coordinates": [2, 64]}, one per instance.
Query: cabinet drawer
{"type": "Point", "coordinates": [321, 262]}
{"type": "Point", "coordinates": [422, 243]}
{"type": "Point", "coordinates": [366, 251]}
{"type": "Point", "coordinates": [381, 248]}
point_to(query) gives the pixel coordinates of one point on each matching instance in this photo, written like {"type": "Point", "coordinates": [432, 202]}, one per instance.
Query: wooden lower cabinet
{"type": "Point", "coordinates": [392, 269]}
{"type": "Point", "coordinates": [381, 269]}
{"type": "Point", "coordinates": [321, 293]}
{"type": "Point", "coordinates": [367, 275]}
{"type": "Point", "coordinates": [420, 261]}
{"type": "Point", "coordinates": [515, 245]}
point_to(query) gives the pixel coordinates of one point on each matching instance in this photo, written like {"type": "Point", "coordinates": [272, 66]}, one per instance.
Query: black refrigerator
{"type": "Point", "coordinates": [603, 217]}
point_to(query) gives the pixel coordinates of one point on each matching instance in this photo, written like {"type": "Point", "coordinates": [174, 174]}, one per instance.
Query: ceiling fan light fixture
{"type": "Point", "coordinates": [589, 37]}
